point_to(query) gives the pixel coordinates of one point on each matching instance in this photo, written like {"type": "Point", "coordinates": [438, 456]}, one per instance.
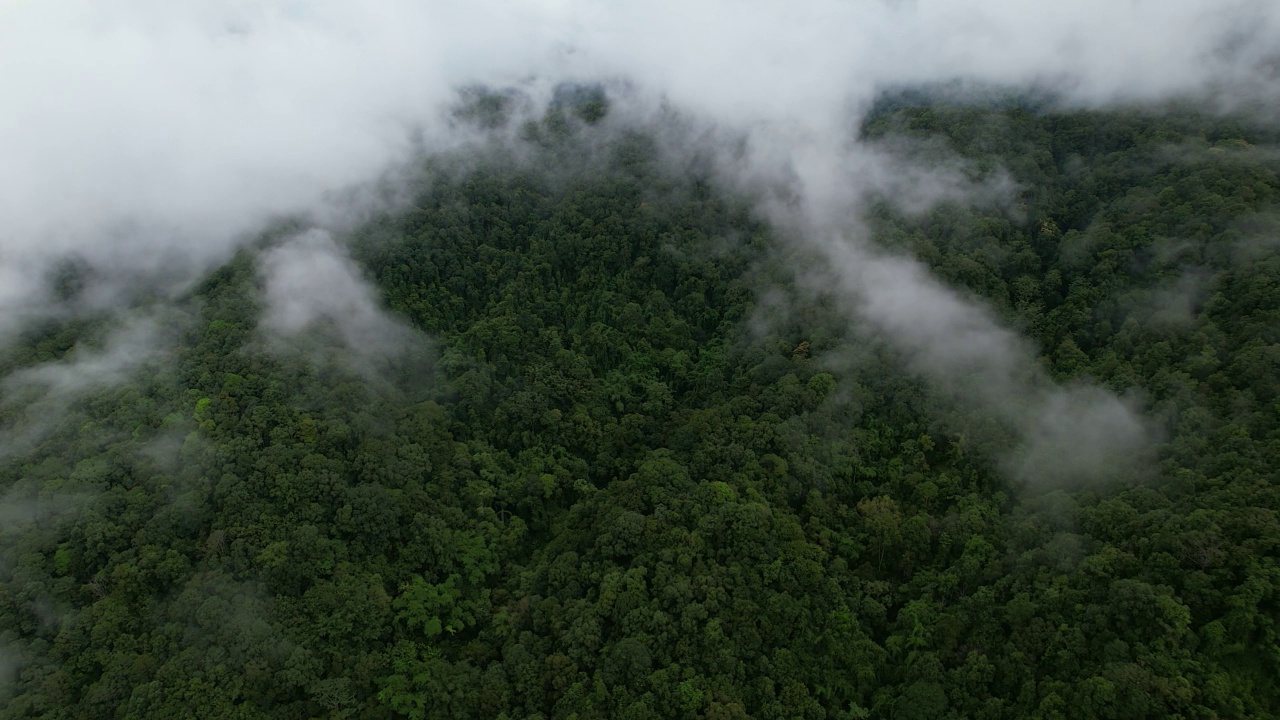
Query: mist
{"type": "Point", "coordinates": [42, 395]}
{"type": "Point", "coordinates": [195, 121]}
{"type": "Point", "coordinates": [151, 136]}
{"type": "Point", "coordinates": [309, 280]}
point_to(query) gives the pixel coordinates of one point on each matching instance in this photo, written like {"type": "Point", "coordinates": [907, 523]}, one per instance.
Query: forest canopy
{"type": "Point", "coordinates": [574, 431]}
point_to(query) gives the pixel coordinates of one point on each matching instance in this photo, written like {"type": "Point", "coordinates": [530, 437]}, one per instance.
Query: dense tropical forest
{"type": "Point", "coordinates": [623, 462]}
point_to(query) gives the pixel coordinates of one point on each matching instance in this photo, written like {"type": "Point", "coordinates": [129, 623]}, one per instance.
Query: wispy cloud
{"type": "Point", "coordinates": [309, 280]}
{"type": "Point", "coordinates": [147, 130]}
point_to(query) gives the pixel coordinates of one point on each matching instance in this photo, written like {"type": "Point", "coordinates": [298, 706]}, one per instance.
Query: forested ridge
{"type": "Point", "coordinates": [627, 466]}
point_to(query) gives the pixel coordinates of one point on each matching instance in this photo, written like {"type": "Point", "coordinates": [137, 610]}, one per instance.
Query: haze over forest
{"type": "Point", "coordinates": [666, 359]}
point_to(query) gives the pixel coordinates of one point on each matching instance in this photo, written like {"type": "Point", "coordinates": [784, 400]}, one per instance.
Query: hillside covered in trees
{"type": "Point", "coordinates": [622, 460]}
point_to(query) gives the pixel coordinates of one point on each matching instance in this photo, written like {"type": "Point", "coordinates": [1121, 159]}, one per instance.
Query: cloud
{"type": "Point", "coordinates": [189, 122]}
{"type": "Point", "coordinates": [807, 62]}
{"type": "Point", "coordinates": [23, 506]}
{"type": "Point", "coordinates": [86, 369]}
{"type": "Point", "coordinates": [309, 281]}
{"type": "Point", "coordinates": [1078, 435]}
{"type": "Point", "coordinates": [1063, 435]}
{"type": "Point", "coordinates": [42, 395]}
{"type": "Point", "coordinates": [23, 293]}
{"type": "Point", "coordinates": [153, 130]}
{"type": "Point", "coordinates": [147, 135]}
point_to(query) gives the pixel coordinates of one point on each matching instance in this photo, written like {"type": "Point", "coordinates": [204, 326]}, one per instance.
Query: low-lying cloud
{"type": "Point", "coordinates": [310, 281]}
{"type": "Point", "coordinates": [191, 122]}
{"type": "Point", "coordinates": [1063, 435]}
{"type": "Point", "coordinates": [42, 395]}
{"type": "Point", "coordinates": [148, 129]}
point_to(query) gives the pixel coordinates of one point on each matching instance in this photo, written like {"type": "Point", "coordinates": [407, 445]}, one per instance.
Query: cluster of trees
{"type": "Point", "coordinates": [612, 484]}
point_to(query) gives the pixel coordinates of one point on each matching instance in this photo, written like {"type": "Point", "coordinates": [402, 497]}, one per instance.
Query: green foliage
{"type": "Point", "coordinates": [434, 608]}
{"type": "Point", "coordinates": [622, 488]}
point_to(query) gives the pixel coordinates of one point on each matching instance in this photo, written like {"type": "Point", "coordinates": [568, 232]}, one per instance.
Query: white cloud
{"type": "Point", "coordinates": [189, 122]}
{"type": "Point", "coordinates": [310, 280]}
{"type": "Point", "coordinates": [43, 393]}
{"type": "Point", "coordinates": [141, 130]}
